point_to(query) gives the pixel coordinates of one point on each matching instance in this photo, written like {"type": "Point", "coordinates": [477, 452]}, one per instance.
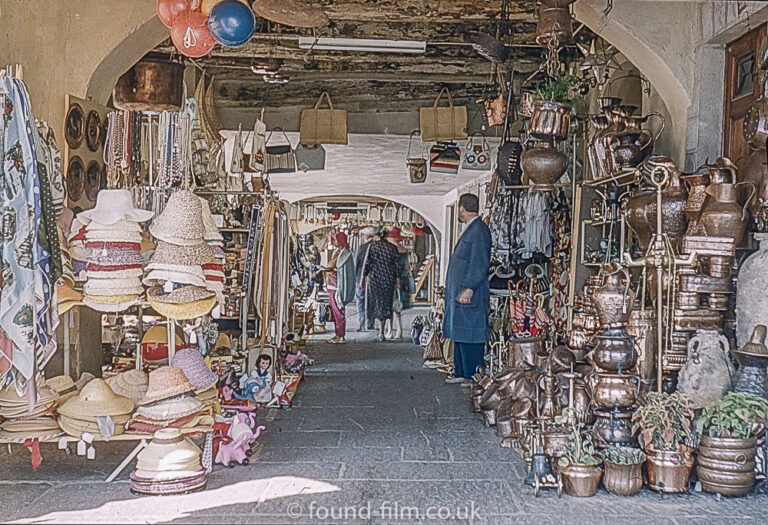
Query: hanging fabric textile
{"type": "Point", "coordinates": [258, 146]}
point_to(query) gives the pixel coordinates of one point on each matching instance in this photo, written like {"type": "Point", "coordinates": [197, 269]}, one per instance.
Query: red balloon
{"type": "Point", "coordinates": [168, 10]}
{"type": "Point", "coordinates": [191, 36]}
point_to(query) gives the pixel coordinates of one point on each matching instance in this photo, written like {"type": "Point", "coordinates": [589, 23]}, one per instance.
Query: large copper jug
{"type": "Point", "coordinates": [722, 215]}
{"type": "Point", "coordinates": [614, 300]}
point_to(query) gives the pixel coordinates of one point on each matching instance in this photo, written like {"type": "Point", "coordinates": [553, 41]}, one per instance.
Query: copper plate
{"type": "Point", "coordinates": [75, 126]}
{"type": "Point", "coordinates": [290, 13]}
{"type": "Point", "coordinates": [92, 180]}
{"type": "Point", "coordinates": [93, 131]}
{"type": "Point", "coordinates": [75, 178]}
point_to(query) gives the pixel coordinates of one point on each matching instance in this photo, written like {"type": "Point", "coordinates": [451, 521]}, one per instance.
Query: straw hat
{"type": "Point", "coordinates": [12, 404]}
{"type": "Point", "coordinates": [67, 298]}
{"type": "Point", "coordinates": [168, 456]}
{"type": "Point", "coordinates": [133, 273]}
{"type": "Point", "coordinates": [115, 205]}
{"type": "Point", "coordinates": [209, 396]}
{"type": "Point", "coordinates": [370, 231]}
{"type": "Point", "coordinates": [164, 383]}
{"type": "Point", "coordinates": [157, 277]}
{"type": "Point", "coordinates": [188, 302]}
{"type": "Point", "coordinates": [195, 368]}
{"type": "Point", "coordinates": [183, 485]}
{"type": "Point", "coordinates": [192, 255]}
{"type": "Point", "coordinates": [109, 307]}
{"type": "Point", "coordinates": [124, 286]}
{"type": "Point", "coordinates": [64, 386]}
{"type": "Point", "coordinates": [132, 384]}
{"type": "Point", "coordinates": [171, 409]}
{"type": "Point", "coordinates": [77, 427]}
{"type": "Point", "coordinates": [181, 222]}
{"type": "Point", "coordinates": [41, 424]}
{"type": "Point", "coordinates": [96, 399]}
{"type": "Point", "coordinates": [119, 226]}
{"type": "Point", "coordinates": [113, 236]}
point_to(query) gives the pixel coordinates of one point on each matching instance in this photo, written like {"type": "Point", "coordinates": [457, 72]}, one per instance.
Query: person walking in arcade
{"type": "Point", "coordinates": [340, 282]}
{"type": "Point", "coordinates": [467, 294]}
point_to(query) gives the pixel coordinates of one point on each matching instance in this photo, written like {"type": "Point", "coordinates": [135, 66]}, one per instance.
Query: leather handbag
{"type": "Point", "coordinates": [444, 157]}
{"type": "Point", "coordinates": [417, 166]}
{"type": "Point", "coordinates": [310, 157]}
{"type": "Point", "coordinates": [477, 156]}
{"type": "Point", "coordinates": [443, 123]}
{"type": "Point", "coordinates": [323, 126]}
{"type": "Point", "coordinates": [280, 157]}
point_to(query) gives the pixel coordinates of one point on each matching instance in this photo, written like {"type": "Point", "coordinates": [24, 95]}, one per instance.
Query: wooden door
{"type": "Point", "coordinates": [741, 90]}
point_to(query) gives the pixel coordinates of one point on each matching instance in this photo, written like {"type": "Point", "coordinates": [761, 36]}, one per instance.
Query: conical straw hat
{"type": "Point", "coordinates": [96, 399]}
{"type": "Point", "coordinates": [195, 368]}
{"type": "Point", "coordinates": [181, 222]}
{"type": "Point", "coordinates": [164, 383]}
{"type": "Point", "coordinates": [132, 384]}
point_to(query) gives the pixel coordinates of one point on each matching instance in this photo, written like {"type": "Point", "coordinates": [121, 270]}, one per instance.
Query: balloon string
{"type": "Point", "coordinates": [189, 38]}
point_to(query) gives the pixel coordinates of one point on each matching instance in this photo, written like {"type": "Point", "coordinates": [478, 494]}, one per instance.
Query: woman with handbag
{"type": "Point", "coordinates": [402, 295]}
{"type": "Point", "coordinates": [341, 284]}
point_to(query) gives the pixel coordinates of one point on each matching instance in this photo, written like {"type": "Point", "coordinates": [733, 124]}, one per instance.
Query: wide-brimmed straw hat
{"type": "Point", "coordinates": [159, 276]}
{"type": "Point", "coordinates": [181, 222]}
{"type": "Point", "coordinates": [96, 399]}
{"type": "Point", "coordinates": [64, 386]}
{"type": "Point", "coordinates": [192, 255]}
{"type": "Point", "coordinates": [24, 429]}
{"type": "Point", "coordinates": [13, 405]}
{"type": "Point", "coordinates": [168, 456]}
{"type": "Point", "coordinates": [170, 409]}
{"type": "Point", "coordinates": [164, 383]}
{"type": "Point", "coordinates": [183, 485]}
{"type": "Point", "coordinates": [124, 286]}
{"type": "Point", "coordinates": [115, 205]}
{"type": "Point", "coordinates": [110, 303]}
{"type": "Point", "coordinates": [195, 368]}
{"type": "Point", "coordinates": [188, 302]}
{"type": "Point", "coordinates": [113, 236]}
{"type": "Point", "coordinates": [67, 298]}
{"type": "Point", "coordinates": [132, 384]}
{"type": "Point", "coordinates": [77, 427]}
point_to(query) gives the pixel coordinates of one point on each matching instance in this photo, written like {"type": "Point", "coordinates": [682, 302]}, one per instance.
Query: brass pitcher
{"type": "Point", "coordinates": [614, 299]}
{"type": "Point", "coordinates": [723, 216]}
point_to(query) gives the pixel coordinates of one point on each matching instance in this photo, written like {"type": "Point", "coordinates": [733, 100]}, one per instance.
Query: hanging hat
{"type": "Point", "coordinates": [187, 302]}
{"type": "Point", "coordinates": [114, 205]}
{"type": "Point", "coordinates": [189, 255]}
{"type": "Point", "coordinates": [158, 277]}
{"type": "Point", "coordinates": [181, 221]}
{"type": "Point", "coordinates": [110, 303]}
{"type": "Point", "coordinates": [67, 298]}
{"type": "Point", "coordinates": [132, 383]}
{"type": "Point", "coordinates": [195, 368]}
{"type": "Point", "coordinates": [125, 286]}
{"type": "Point", "coordinates": [96, 399]}
{"type": "Point", "coordinates": [394, 233]}
{"type": "Point", "coordinates": [164, 383]}
{"type": "Point", "coordinates": [113, 236]}
{"type": "Point", "coordinates": [64, 386]}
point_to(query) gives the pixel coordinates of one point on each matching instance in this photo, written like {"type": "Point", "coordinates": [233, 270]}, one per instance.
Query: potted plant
{"type": "Point", "coordinates": [580, 467]}
{"type": "Point", "coordinates": [664, 426]}
{"type": "Point", "coordinates": [551, 113]}
{"type": "Point", "coordinates": [622, 470]}
{"type": "Point", "coordinates": [728, 428]}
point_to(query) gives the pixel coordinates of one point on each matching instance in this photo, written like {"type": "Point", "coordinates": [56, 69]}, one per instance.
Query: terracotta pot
{"type": "Point", "coordinates": [615, 351]}
{"type": "Point", "coordinates": [581, 480]}
{"type": "Point", "coordinates": [615, 390]}
{"type": "Point", "coordinates": [550, 120]}
{"type": "Point", "coordinates": [669, 471]}
{"type": "Point", "coordinates": [640, 210]}
{"type": "Point", "coordinates": [726, 465]}
{"type": "Point", "coordinates": [723, 216]}
{"type": "Point", "coordinates": [544, 165]}
{"type": "Point", "coordinates": [622, 480]}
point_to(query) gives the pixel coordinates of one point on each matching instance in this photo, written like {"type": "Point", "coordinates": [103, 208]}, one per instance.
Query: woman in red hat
{"type": "Point", "coordinates": [340, 281]}
{"type": "Point", "coordinates": [402, 297]}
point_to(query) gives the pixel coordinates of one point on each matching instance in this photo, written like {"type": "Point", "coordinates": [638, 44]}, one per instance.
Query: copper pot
{"type": "Point", "coordinates": [582, 403]}
{"type": "Point", "coordinates": [726, 465]}
{"type": "Point", "coordinates": [579, 339]}
{"type": "Point", "coordinates": [615, 350]}
{"type": "Point", "coordinates": [550, 121]}
{"type": "Point", "coordinates": [697, 193]}
{"type": "Point", "coordinates": [489, 417]}
{"type": "Point", "coordinates": [613, 428]}
{"type": "Point", "coordinates": [504, 426]}
{"type": "Point", "coordinates": [585, 321]}
{"type": "Point", "coordinates": [622, 480]}
{"type": "Point", "coordinates": [669, 471]}
{"type": "Point", "coordinates": [723, 216]}
{"type": "Point", "coordinates": [544, 165]}
{"type": "Point", "coordinates": [581, 480]}
{"type": "Point", "coordinates": [562, 359]}
{"type": "Point", "coordinates": [640, 210]}
{"type": "Point", "coordinates": [523, 351]}
{"type": "Point", "coordinates": [629, 148]}
{"type": "Point", "coordinates": [615, 390]}
{"type": "Point", "coordinates": [555, 441]}
{"type": "Point", "coordinates": [150, 85]}
{"type": "Point", "coordinates": [756, 172]}
{"type": "Point", "coordinates": [491, 398]}
{"type": "Point", "coordinates": [614, 300]}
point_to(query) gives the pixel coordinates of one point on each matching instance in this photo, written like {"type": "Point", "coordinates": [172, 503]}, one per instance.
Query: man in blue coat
{"type": "Point", "coordinates": [467, 294]}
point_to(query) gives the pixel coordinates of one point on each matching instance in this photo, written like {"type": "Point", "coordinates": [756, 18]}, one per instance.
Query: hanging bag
{"type": "Point", "coordinates": [443, 123]}
{"type": "Point", "coordinates": [389, 214]}
{"type": "Point", "coordinates": [237, 164]}
{"type": "Point", "coordinates": [476, 155]}
{"type": "Point", "coordinates": [279, 158]}
{"type": "Point", "coordinates": [417, 166]}
{"type": "Point", "coordinates": [310, 157]}
{"type": "Point", "coordinates": [444, 157]}
{"type": "Point", "coordinates": [323, 126]}
{"type": "Point", "coordinates": [374, 213]}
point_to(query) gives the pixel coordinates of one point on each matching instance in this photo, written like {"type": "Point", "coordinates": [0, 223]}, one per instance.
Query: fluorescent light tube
{"type": "Point", "coordinates": [362, 44]}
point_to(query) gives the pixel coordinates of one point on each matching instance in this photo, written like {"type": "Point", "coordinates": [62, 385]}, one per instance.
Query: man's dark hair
{"type": "Point", "coordinates": [470, 202]}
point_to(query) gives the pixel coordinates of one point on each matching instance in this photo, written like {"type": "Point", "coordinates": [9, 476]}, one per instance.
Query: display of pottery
{"type": "Point", "coordinates": [706, 375]}
{"type": "Point", "coordinates": [581, 480]}
{"type": "Point", "coordinates": [722, 214]}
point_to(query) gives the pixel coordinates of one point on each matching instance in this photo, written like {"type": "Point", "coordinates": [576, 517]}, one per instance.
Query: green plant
{"type": "Point", "coordinates": [580, 448]}
{"type": "Point", "coordinates": [733, 416]}
{"type": "Point", "coordinates": [665, 421]}
{"type": "Point", "coordinates": [558, 90]}
{"type": "Point", "coordinates": [623, 455]}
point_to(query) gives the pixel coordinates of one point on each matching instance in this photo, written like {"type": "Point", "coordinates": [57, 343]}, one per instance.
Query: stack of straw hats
{"type": "Point", "coordinates": [21, 424]}
{"type": "Point", "coordinates": [76, 248]}
{"type": "Point", "coordinates": [64, 386]}
{"type": "Point", "coordinates": [113, 251]}
{"type": "Point", "coordinates": [213, 269]}
{"type": "Point", "coordinates": [169, 402]}
{"type": "Point", "coordinates": [179, 289]}
{"type": "Point", "coordinates": [170, 464]}
{"type": "Point", "coordinates": [192, 363]}
{"type": "Point", "coordinates": [132, 384]}
{"type": "Point", "coordinates": [97, 410]}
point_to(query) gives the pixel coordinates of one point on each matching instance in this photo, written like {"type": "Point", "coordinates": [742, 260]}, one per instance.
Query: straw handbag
{"type": "Point", "coordinates": [434, 348]}
{"type": "Point", "coordinates": [443, 123]}
{"type": "Point", "coordinates": [323, 126]}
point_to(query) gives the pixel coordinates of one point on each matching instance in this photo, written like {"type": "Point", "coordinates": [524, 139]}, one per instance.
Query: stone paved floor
{"type": "Point", "coordinates": [371, 432]}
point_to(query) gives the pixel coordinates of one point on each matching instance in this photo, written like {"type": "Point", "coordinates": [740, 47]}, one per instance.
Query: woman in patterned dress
{"type": "Point", "coordinates": [380, 273]}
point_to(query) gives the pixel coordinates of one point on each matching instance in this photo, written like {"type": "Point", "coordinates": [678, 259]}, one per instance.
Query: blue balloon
{"type": "Point", "coordinates": [231, 23]}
